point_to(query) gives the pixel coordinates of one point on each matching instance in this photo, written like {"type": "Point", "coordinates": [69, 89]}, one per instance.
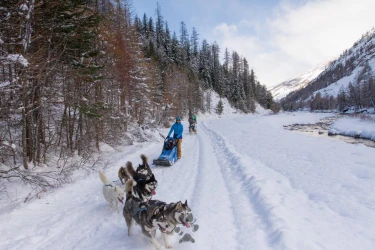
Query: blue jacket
{"type": "Point", "coordinates": [177, 129]}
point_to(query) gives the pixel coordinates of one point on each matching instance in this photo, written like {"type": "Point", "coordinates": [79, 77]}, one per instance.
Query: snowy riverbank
{"type": "Point", "coordinates": [355, 127]}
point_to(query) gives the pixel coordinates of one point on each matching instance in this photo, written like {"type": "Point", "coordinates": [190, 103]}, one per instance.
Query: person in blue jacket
{"type": "Point", "coordinates": [177, 129]}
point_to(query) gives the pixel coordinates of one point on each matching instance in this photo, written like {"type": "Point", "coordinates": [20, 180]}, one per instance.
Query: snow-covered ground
{"type": "Point", "coordinates": [250, 184]}
{"type": "Point", "coordinates": [355, 127]}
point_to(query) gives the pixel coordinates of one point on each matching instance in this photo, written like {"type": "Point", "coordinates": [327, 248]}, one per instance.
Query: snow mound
{"type": "Point", "coordinates": [262, 111]}
{"type": "Point", "coordinates": [353, 127]}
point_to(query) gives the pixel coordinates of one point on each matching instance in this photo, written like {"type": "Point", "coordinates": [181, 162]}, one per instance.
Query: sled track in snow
{"type": "Point", "coordinates": [185, 169]}
{"type": "Point", "coordinates": [208, 199]}
{"type": "Point", "coordinates": [233, 168]}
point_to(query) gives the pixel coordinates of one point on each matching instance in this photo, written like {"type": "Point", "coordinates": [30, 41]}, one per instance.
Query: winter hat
{"type": "Point", "coordinates": [178, 118]}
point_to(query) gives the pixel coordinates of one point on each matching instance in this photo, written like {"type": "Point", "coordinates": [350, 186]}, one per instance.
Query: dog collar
{"type": "Point", "coordinates": [167, 231]}
{"type": "Point", "coordinates": [172, 229]}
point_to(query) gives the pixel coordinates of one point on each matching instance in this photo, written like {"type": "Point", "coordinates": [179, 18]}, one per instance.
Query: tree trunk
{"type": "Point", "coordinates": [24, 142]}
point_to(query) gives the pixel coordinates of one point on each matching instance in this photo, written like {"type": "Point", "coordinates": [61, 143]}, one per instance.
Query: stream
{"type": "Point", "coordinates": [320, 129]}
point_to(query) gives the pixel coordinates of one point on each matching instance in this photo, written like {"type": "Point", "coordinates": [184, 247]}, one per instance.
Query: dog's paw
{"type": "Point", "coordinates": [168, 246]}
{"type": "Point", "coordinates": [187, 238]}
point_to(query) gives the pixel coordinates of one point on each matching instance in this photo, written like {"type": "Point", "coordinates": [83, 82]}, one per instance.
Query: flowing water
{"type": "Point", "coordinates": [320, 129]}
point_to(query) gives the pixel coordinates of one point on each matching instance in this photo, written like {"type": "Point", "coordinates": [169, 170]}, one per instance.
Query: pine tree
{"type": "Point", "coordinates": [167, 42]}
{"type": "Point", "coordinates": [176, 53]}
{"type": "Point", "coordinates": [226, 77]}
{"type": "Point", "coordinates": [205, 65]}
{"type": "Point", "coordinates": [215, 69]}
{"type": "Point", "coordinates": [159, 32]}
{"type": "Point", "coordinates": [185, 43]}
{"type": "Point", "coordinates": [150, 29]}
{"type": "Point", "coordinates": [145, 26]}
{"type": "Point", "coordinates": [220, 107]}
{"type": "Point", "coordinates": [194, 41]}
{"type": "Point", "coordinates": [236, 94]}
{"type": "Point", "coordinates": [372, 91]}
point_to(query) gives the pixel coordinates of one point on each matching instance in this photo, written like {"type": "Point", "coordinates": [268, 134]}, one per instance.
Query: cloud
{"type": "Point", "coordinates": [230, 36]}
{"type": "Point", "coordinates": [294, 38]}
{"type": "Point", "coordinates": [225, 30]}
{"type": "Point", "coordinates": [321, 29]}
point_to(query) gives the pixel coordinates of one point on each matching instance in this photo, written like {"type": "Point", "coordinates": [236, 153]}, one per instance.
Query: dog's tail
{"type": "Point", "coordinates": [129, 187]}
{"type": "Point", "coordinates": [130, 168]}
{"type": "Point", "coordinates": [144, 159]}
{"type": "Point", "coordinates": [103, 178]}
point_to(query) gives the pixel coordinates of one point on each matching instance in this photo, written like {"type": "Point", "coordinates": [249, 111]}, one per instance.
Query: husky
{"type": "Point", "coordinates": [144, 178]}
{"type": "Point", "coordinates": [176, 213]}
{"type": "Point", "coordinates": [111, 192]}
{"type": "Point", "coordinates": [142, 170]}
{"type": "Point", "coordinates": [149, 217]}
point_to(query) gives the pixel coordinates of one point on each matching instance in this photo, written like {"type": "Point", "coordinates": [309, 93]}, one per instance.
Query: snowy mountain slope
{"type": "Point", "coordinates": [334, 88]}
{"type": "Point", "coordinates": [298, 82]}
{"type": "Point", "coordinates": [248, 182]}
{"type": "Point", "coordinates": [347, 68]}
{"type": "Point", "coordinates": [362, 53]}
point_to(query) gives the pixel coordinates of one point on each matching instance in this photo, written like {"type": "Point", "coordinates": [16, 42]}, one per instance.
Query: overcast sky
{"type": "Point", "coordinates": [280, 39]}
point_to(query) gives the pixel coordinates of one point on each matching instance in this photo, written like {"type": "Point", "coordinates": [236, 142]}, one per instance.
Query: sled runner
{"type": "Point", "coordinates": [169, 154]}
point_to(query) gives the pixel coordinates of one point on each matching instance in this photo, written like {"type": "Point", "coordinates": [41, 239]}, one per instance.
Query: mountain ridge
{"type": "Point", "coordinates": [299, 81]}
{"type": "Point", "coordinates": [347, 81]}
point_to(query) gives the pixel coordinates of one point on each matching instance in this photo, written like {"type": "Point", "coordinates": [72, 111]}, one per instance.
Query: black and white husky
{"type": "Point", "coordinates": [149, 217]}
{"type": "Point", "coordinates": [145, 179]}
{"type": "Point", "coordinates": [154, 214]}
{"type": "Point", "coordinates": [177, 213]}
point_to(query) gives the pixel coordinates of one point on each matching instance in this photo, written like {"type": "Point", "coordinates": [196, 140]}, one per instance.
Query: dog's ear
{"type": "Point", "coordinates": [147, 166]}
{"type": "Point", "coordinates": [134, 183]}
{"type": "Point", "coordinates": [186, 205]}
{"type": "Point", "coordinates": [179, 205]}
{"type": "Point", "coordinates": [156, 211]}
{"type": "Point", "coordinates": [152, 214]}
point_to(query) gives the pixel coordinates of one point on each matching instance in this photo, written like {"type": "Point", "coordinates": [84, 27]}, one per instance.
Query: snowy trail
{"type": "Point", "coordinates": [251, 213]}
{"type": "Point", "coordinates": [211, 202]}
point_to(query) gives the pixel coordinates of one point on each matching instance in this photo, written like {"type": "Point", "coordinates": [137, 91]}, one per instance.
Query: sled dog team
{"type": "Point", "coordinates": [150, 215]}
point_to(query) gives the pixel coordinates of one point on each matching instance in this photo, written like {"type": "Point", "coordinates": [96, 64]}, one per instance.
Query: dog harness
{"type": "Point", "coordinates": [139, 210]}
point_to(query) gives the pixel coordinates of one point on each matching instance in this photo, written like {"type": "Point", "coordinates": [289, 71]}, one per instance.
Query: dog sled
{"type": "Point", "coordinates": [193, 128]}
{"type": "Point", "coordinates": [169, 153]}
